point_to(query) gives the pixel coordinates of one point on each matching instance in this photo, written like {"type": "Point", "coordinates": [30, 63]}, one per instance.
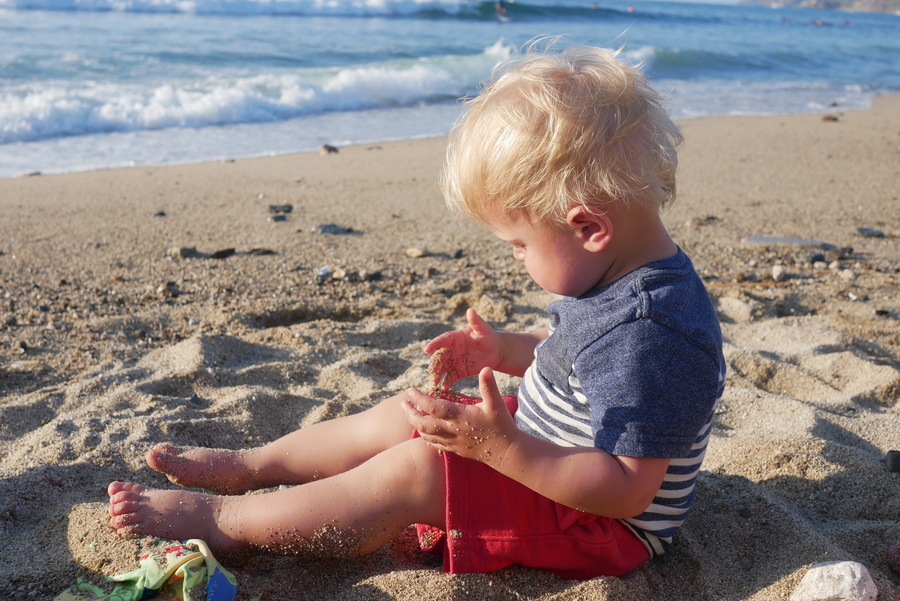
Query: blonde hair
{"type": "Point", "coordinates": [555, 131]}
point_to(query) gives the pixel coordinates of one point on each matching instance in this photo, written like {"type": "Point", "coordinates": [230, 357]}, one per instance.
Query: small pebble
{"type": "Point", "coordinates": [332, 228]}
{"type": "Point", "coordinates": [416, 253]}
{"type": "Point", "coordinates": [281, 208]}
{"type": "Point", "coordinates": [868, 232]}
{"type": "Point", "coordinates": [158, 214]}
{"type": "Point", "coordinates": [847, 275]}
{"type": "Point", "coordinates": [182, 252]}
{"type": "Point", "coordinates": [814, 257]}
{"type": "Point", "coordinates": [20, 348]}
{"type": "Point", "coordinates": [892, 460]}
{"type": "Point", "coordinates": [893, 558]}
{"type": "Point", "coordinates": [277, 218]}
{"type": "Point", "coordinates": [778, 273]}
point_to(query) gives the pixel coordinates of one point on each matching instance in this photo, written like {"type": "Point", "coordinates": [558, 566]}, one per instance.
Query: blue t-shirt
{"type": "Point", "coordinates": [634, 368]}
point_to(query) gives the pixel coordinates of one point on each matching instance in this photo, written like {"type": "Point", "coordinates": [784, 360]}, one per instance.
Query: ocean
{"type": "Point", "coordinates": [92, 84]}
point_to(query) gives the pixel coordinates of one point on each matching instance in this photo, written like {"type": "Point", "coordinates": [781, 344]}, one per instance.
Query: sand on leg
{"type": "Point", "coordinates": [318, 451]}
{"type": "Point", "coordinates": [351, 513]}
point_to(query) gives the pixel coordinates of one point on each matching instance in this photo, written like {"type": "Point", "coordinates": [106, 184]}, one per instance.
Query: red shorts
{"type": "Point", "coordinates": [494, 522]}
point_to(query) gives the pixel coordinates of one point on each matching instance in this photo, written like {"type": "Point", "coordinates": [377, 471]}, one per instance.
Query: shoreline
{"type": "Point", "coordinates": [374, 141]}
{"type": "Point", "coordinates": [108, 344]}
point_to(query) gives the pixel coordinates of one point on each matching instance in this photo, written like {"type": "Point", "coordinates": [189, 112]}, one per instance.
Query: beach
{"type": "Point", "coordinates": [188, 303]}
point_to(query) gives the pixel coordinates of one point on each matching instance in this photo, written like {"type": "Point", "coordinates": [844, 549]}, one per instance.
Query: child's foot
{"type": "Point", "coordinates": [217, 470]}
{"type": "Point", "coordinates": [169, 514]}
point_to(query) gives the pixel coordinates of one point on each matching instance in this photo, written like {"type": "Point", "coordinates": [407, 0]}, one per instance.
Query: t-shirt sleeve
{"type": "Point", "coordinates": [650, 390]}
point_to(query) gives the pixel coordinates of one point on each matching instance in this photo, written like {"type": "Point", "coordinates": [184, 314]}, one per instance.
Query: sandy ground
{"type": "Point", "coordinates": [108, 344]}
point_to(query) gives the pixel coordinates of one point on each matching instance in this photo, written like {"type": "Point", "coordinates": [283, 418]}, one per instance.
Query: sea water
{"type": "Point", "coordinates": [89, 84]}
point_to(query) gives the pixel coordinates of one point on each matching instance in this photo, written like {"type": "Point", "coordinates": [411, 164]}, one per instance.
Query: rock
{"type": "Point", "coordinates": [169, 289]}
{"type": "Point", "coordinates": [332, 228]}
{"type": "Point", "coordinates": [277, 218]}
{"type": "Point", "coordinates": [325, 150]}
{"type": "Point", "coordinates": [867, 232]}
{"type": "Point", "coordinates": [182, 252]}
{"type": "Point", "coordinates": [893, 557]}
{"type": "Point", "coordinates": [222, 254]}
{"type": "Point", "coordinates": [416, 253]}
{"type": "Point", "coordinates": [892, 460]}
{"type": "Point", "coordinates": [779, 274]}
{"type": "Point", "coordinates": [323, 273]}
{"type": "Point", "coordinates": [275, 209]}
{"type": "Point", "coordinates": [11, 321]}
{"type": "Point", "coordinates": [836, 581]}
{"type": "Point", "coordinates": [158, 214]}
{"type": "Point", "coordinates": [339, 274]}
{"type": "Point", "coordinates": [20, 348]}
{"type": "Point", "coordinates": [814, 258]}
{"type": "Point", "coordinates": [260, 252]}
{"type": "Point", "coordinates": [829, 118]}
{"type": "Point", "coordinates": [847, 275]}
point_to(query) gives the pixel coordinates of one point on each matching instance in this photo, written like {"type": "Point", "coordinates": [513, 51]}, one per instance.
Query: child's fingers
{"type": "Point", "coordinates": [490, 391]}
{"type": "Point", "coordinates": [477, 324]}
{"type": "Point", "coordinates": [430, 406]}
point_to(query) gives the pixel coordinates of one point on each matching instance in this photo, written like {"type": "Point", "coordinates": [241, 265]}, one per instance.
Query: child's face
{"type": "Point", "coordinates": [555, 258]}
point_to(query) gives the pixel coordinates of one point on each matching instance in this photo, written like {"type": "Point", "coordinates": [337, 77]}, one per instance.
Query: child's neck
{"type": "Point", "coordinates": [638, 238]}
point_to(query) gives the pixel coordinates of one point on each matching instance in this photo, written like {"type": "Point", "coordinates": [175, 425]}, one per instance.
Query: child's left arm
{"type": "Point", "coordinates": [587, 479]}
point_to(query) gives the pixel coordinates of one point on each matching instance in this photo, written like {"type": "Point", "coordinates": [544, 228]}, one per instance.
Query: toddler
{"type": "Point", "coordinates": [590, 470]}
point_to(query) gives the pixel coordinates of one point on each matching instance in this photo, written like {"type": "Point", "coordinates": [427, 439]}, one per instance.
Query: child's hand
{"type": "Point", "coordinates": [468, 351]}
{"type": "Point", "coordinates": [482, 431]}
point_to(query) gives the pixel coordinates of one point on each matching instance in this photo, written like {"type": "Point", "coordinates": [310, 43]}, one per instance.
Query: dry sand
{"type": "Point", "coordinates": [107, 346]}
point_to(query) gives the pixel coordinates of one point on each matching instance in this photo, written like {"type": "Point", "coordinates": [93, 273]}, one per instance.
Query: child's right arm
{"type": "Point", "coordinates": [479, 345]}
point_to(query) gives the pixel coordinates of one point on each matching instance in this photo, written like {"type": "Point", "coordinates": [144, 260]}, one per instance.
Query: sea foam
{"type": "Point", "coordinates": [50, 109]}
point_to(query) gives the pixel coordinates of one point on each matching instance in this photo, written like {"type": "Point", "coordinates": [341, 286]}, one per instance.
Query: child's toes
{"type": "Point", "coordinates": [120, 488]}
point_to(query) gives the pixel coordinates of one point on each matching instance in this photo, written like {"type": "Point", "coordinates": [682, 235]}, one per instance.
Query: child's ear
{"type": "Point", "coordinates": [594, 228]}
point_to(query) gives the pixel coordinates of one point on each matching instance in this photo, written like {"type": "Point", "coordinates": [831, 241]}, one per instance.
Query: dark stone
{"type": "Point", "coordinates": [222, 254]}
{"type": "Point", "coordinates": [892, 460]}
{"type": "Point", "coordinates": [277, 218]}
{"type": "Point", "coordinates": [158, 214]}
{"type": "Point", "coordinates": [281, 208]}
{"type": "Point", "coordinates": [867, 232]}
{"type": "Point", "coordinates": [260, 252]}
{"type": "Point", "coordinates": [745, 512]}
{"type": "Point", "coordinates": [813, 257]}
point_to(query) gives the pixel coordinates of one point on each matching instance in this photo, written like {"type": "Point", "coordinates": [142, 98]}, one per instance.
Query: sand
{"type": "Point", "coordinates": [108, 345]}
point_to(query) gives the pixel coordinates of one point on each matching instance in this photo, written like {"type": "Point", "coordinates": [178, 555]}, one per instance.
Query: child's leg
{"type": "Point", "coordinates": [352, 513]}
{"type": "Point", "coordinates": [318, 451]}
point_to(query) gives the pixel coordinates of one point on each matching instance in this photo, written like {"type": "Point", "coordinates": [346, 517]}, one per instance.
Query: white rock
{"type": "Point", "coordinates": [836, 581]}
{"type": "Point", "coordinates": [847, 275]}
{"type": "Point", "coordinates": [778, 273]}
